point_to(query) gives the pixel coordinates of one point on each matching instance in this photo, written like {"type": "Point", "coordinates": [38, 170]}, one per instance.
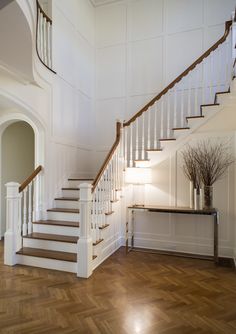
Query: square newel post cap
{"type": "Point", "coordinates": [12, 189]}
{"type": "Point", "coordinates": [85, 192]}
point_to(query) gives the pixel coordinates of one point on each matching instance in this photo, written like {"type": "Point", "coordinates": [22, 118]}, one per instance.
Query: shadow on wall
{"type": "Point", "coordinates": [15, 41]}
{"type": "Point", "coordinates": [17, 159]}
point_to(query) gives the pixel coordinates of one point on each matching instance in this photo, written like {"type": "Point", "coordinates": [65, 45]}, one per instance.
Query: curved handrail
{"type": "Point", "coordinates": [30, 178]}
{"type": "Point", "coordinates": [108, 157]}
{"type": "Point", "coordinates": [182, 75]}
{"type": "Point", "coordinates": [37, 21]}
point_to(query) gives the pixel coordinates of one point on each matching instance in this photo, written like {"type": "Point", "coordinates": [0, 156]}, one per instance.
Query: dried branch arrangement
{"type": "Point", "coordinates": [212, 159]}
{"type": "Point", "coordinates": [190, 166]}
{"type": "Point", "coordinates": [206, 162]}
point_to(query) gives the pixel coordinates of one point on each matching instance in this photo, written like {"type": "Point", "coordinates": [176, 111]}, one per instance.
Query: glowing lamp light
{"type": "Point", "coordinates": [138, 175]}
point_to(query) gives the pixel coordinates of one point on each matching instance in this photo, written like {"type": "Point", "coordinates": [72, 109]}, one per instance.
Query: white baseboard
{"type": "Point", "coordinates": [184, 247]}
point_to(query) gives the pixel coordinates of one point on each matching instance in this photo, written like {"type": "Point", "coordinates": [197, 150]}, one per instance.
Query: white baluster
{"type": "Point", "coordinates": [196, 107]}
{"type": "Point", "coordinates": [49, 44]}
{"type": "Point", "coordinates": [126, 147]}
{"type": "Point", "coordinates": [25, 211]}
{"type": "Point", "coordinates": [137, 141]}
{"type": "Point", "coordinates": [182, 107]}
{"type": "Point", "coordinates": [168, 114]}
{"type": "Point", "coordinates": [149, 128]}
{"type": "Point", "coordinates": [131, 145]}
{"type": "Point", "coordinates": [211, 77]}
{"type": "Point", "coordinates": [30, 229]}
{"type": "Point", "coordinates": [41, 34]}
{"type": "Point", "coordinates": [189, 92]}
{"type": "Point", "coordinates": [45, 40]}
{"type": "Point", "coordinates": [155, 124]}
{"type": "Point", "coordinates": [143, 136]}
{"type": "Point", "coordinates": [203, 82]}
{"type": "Point", "coordinates": [162, 117]}
{"type": "Point", "coordinates": [175, 106]}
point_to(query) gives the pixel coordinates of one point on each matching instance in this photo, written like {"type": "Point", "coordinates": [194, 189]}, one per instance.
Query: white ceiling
{"type": "Point", "coordinates": [102, 2]}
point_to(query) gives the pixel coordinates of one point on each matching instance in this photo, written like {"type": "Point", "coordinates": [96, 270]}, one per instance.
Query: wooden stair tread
{"type": "Point", "coordinates": [67, 199]}
{"type": "Point", "coordinates": [52, 237]}
{"type": "Point", "coordinates": [109, 213]}
{"type": "Point", "coordinates": [63, 210]}
{"type": "Point", "coordinates": [97, 242]}
{"type": "Point", "coordinates": [48, 254]}
{"type": "Point", "coordinates": [57, 223]}
{"type": "Point", "coordinates": [199, 116]}
{"type": "Point", "coordinates": [70, 188]}
{"type": "Point", "coordinates": [210, 104]}
{"type": "Point", "coordinates": [104, 226]}
{"type": "Point", "coordinates": [80, 179]}
{"type": "Point", "coordinates": [184, 128]}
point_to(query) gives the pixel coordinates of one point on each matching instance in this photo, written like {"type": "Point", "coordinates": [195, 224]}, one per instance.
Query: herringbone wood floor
{"type": "Point", "coordinates": [139, 293]}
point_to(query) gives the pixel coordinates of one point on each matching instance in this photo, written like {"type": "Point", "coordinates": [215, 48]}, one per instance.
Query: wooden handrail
{"type": "Point", "coordinates": [30, 178]}
{"type": "Point", "coordinates": [43, 12]}
{"type": "Point", "coordinates": [109, 156]}
{"type": "Point", "coordinates": [182, 75]}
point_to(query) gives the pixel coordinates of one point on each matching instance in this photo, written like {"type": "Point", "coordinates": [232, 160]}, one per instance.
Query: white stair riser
{"type": "Point", "coordinates": [167, 144]}
{"type": "Point", "coordinates": [77, 183]}
{"type": "Point", "coordinates": [47, 263]}
{"type": "Point", "coordinates": [70, 193]}
{"type": "Point", "coordinates": [55, 229]}
{"type": "Point", "coordinates": [208, 111]}
{"type": "Point", "coordinates": [194, 122]}
{"type": "Point", "coordinates": [50, 245]}
{"type": "Point", "coordinates": [67, 204]}
{"type": "Point", "coordinates": [180, 133]}
{"type": "Point", "coordinates": [71, 217]}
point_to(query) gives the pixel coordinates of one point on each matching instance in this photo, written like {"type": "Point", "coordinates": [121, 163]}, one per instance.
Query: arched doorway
{"type": "Point", "coordinates": [17, 158]}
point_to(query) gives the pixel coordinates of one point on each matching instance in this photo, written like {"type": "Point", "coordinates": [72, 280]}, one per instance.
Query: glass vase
{"type": "Point", "coordinates": [208, 197]}
{"type": "Point", "coordinates": [191, 195]}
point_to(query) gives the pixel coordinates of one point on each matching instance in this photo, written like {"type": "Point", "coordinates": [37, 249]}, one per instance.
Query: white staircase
{"type": "Point", "coordinates": [75, 236]}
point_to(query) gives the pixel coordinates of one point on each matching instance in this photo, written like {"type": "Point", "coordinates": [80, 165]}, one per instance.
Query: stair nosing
{"type": "Point", "coordinates": [57, 223]}
{"type": "Point", "coordinates": [64, 210]}
{"type": "Point", "coordinates": [42, 256]}
{"type": "Point", "coordinates": [72, 199]}
{"type": "Point", "coordinates": [52, 238]}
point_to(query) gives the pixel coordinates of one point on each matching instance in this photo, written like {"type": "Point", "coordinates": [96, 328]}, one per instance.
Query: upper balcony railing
{"type": "Point", "coordinates": [44, 38]}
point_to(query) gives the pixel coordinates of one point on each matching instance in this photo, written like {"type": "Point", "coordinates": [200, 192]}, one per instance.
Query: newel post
{"type": "Point", "coordinates": [85, 243]}
{"type": "Point", "coordinates": [12, 237]}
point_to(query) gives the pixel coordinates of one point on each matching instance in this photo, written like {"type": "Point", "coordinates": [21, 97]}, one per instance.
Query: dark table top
{"type": "Point", "coordinates": [173, 209]}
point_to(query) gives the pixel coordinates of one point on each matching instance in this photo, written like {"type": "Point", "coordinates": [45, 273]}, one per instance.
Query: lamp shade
{"type": "Point", "coordinates": [137, 175]}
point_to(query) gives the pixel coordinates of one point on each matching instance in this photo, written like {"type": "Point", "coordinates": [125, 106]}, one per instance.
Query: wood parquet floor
{"type": "Point", "coordinates": [135, 294]}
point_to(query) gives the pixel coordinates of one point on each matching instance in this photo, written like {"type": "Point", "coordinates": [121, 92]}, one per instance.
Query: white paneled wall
{"type": "Point", "coordinates": [73, 93]}
{"type": "Point", "coordinates": [186, 233]}
{"type": "Point", "coordinates": [141, 45]}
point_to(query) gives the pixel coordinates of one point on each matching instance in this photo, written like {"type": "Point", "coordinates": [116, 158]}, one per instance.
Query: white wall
{"type": "Point", "coordinates": [142, 45]}
{"type": "Point", "coordinates": [187, 233]}
{"type": "Point", "coordinates": [61, 105]}
{"type": "Point", "coordinates": [17, 159]}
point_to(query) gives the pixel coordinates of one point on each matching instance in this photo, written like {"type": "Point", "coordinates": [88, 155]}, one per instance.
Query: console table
{"type": "Point", "coordinates": [176, 210]}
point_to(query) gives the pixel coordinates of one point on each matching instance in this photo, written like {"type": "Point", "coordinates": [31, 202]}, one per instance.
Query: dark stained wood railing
{"type": "Point", "coordinates": [182, 75]}
{"type": "Point", "coordinates": [109, 156]}
{"type": "Point", "coordinates": [30, 178]}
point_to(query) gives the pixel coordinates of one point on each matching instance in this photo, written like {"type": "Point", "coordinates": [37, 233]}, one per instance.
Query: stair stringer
{"type": "Point", "coordinates": [111, 235]}
{"type": "Point", "coordinates": [209, 112]}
